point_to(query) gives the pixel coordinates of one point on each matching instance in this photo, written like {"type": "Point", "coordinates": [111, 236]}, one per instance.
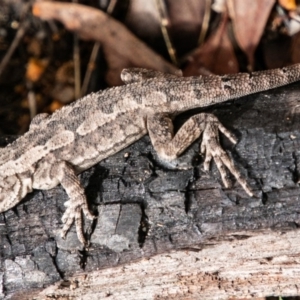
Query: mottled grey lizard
{"type": "Point", "coordinates": [59, 146]}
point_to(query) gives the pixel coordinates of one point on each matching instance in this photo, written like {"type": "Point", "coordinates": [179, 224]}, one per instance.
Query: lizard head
{"type": "Point", "coordinates": [12, 189]}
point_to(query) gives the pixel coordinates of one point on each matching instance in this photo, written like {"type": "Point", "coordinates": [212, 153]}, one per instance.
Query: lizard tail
{"type": "Point", "coordinates": [222, 88]}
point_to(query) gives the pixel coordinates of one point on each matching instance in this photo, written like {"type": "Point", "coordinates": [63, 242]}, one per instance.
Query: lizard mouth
{"type": "Point", "coordinates": [9, 192]}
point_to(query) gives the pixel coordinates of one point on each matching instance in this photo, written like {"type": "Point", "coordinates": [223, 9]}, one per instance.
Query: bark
{"type": "Point", "coordinates": [171, 233]}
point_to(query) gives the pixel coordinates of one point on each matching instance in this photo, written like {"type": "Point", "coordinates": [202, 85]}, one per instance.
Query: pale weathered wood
{"type": "Point", "coordinates": [249, 264]}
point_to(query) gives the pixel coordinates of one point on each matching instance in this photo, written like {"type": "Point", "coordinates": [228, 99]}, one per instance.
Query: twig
{"type": "Point", "coordinates": [32, 103]}
{"type": "Point", "coordinates": [76, 58]}
{"type": "Point", "coordinates": [205, 23]}
{"type": "Point", "coordinates": [164, 22]}
{"type": "Point", "coordinates": [77, 74]}
{"type": "Point", "coordinates": [111, 6]}
{"type": "Point", "coordinates": [90, 68]}
{"type": "Point", "coordinates": [20, 33]}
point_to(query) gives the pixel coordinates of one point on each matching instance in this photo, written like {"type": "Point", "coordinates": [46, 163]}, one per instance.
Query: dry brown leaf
{"type": "Point", "coordinates": [186, 13]}
{"type": "Point", "coordinates": [143, 18]}
{"type": "Point", "coordinates": [295, 55]}
{"type": "Point", "coordinates": [288, 4]}
{"type": "Point", "coordinates": [55, 105]}
{"type": "Point", "coordinates": [35, 68]}
{"type": "Point", "coordinates": [186, 20]}
{"type": "Point", "coordinates": [216, 55]}
{"type": "Point", "coordinates": [65, 73]}
{"type": "Point", "coordinates": [249, 18]}
{"type": "Point", "coordinates": [122, 49]}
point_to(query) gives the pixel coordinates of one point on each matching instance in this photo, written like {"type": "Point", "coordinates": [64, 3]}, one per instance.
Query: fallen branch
{"type": "Point", "coordinates": [121, 48]}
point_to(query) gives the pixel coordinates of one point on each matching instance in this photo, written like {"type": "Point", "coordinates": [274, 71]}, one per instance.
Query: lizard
{"type": "Point", "coordinates": [58, 147]}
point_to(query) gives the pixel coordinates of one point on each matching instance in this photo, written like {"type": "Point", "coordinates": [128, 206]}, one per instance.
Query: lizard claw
{"type": "Point", "coordinates": [213, 150]}
{"type": "Point", "coordinates": [74, 214]}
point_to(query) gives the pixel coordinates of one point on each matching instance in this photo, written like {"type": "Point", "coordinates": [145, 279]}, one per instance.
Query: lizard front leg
{"type": "Point", "coordinates": [170, 146]}
{"type": "Point", "coordinates": [49, 175]}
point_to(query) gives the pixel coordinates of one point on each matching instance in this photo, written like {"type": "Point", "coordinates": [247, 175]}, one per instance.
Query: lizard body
{"type": "Point", "coordinates": [76, 137]}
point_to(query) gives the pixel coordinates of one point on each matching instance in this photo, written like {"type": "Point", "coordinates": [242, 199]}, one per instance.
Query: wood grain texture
{"type": "Point", "coordinates": [248, 265]}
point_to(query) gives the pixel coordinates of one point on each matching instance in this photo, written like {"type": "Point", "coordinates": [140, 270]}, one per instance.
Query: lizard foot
{"type": "Point", "coordinates": [211, 147]}
{"type": "Point", "coordinates": [72, 214]}
{"type": "Point", "coordinates": [170, 146]}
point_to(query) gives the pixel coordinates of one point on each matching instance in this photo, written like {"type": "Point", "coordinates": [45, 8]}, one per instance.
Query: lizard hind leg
{"type": "Point", "coordinates": [77, 203]}
{"type": "Point", "coordinates": [169, 146]}
{"type": "Point", "coordinates": [63, 173]}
